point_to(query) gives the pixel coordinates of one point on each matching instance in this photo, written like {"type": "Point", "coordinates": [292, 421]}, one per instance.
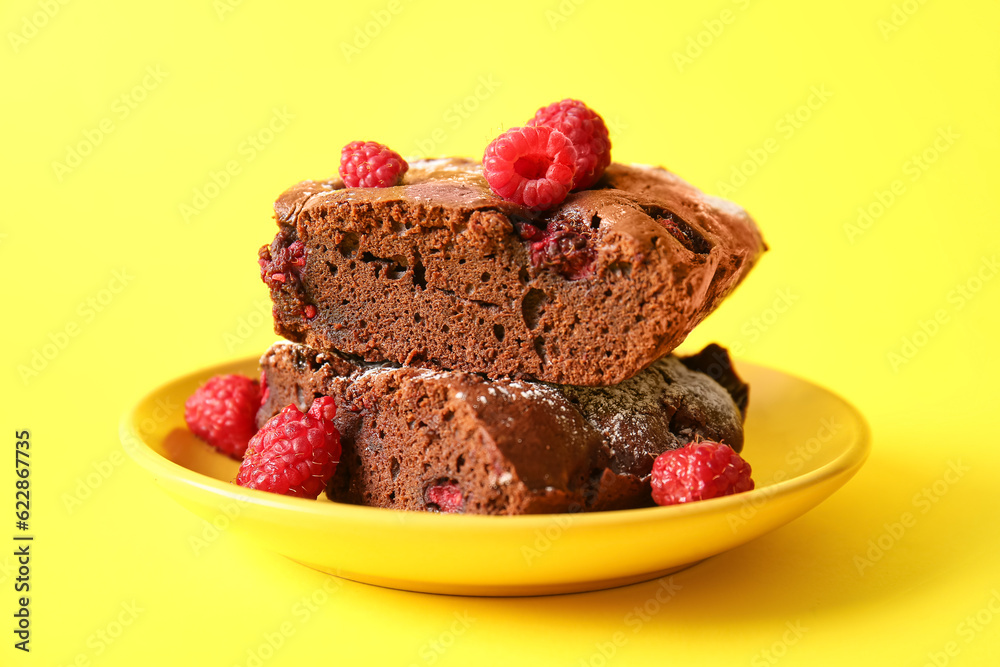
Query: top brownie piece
{"type": "Point", "coordinates": [440, 272]}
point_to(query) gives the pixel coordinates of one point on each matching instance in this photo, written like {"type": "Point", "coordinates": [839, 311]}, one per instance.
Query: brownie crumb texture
{"type": "Point", "coordinates": [422, 439]}
{"type": "Point", "coordinates": [440, 273]}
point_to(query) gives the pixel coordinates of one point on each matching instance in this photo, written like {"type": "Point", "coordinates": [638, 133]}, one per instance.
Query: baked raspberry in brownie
{"type": "Point", "coordinates": [420, 439]}
{"type": "Point", "coordinates": [439, 272]}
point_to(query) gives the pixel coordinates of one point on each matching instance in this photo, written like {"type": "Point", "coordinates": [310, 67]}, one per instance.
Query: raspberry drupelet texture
{"type": "Point", "coordinates": [530, 166]}
{"type": "Point", "coordinates": [222, 412]}
{"type": "Point", "coordinates": [369, 164]}
{"type": "Point", "coordinates": [283, 265]}
{"type": "Point", "coordinates": [698, 471]}
{"type": "Point", "coordinates": [265, 391]}
{"type": "Point", "coordinates": [564, 251]}
{"type": "Point", "coordinates": [294, 454]}
{"type": "Point", "coordinates": [586, 131]}
{"type": "Point", "coordinates": [447, 498]}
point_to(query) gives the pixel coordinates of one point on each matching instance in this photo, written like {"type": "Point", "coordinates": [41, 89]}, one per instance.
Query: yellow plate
{"type": "Point", "coordinates": [802, 441]}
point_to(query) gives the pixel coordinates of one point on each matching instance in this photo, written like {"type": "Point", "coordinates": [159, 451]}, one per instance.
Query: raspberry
{"type": "Point", "coordinates": [369, 164]}
{"type": "Point", "coordinates": [588, 134]}
{"type": "Point", "coordinates": [530, 166]}
{"type": "Point", "coordinates": [446, 497]}
{"type": "Point", "coordinates": [698, 471]}
{"type": "Point", "coordinates": [283, 265]}
{"type": "Point", "coordinates": [223, 412]}
{"type": "Point", "coordinates": [565, 251]}
{"type": "Point", "coordinates": [265, 391]}
{"type": "Point", "coordinates": [293, 454]}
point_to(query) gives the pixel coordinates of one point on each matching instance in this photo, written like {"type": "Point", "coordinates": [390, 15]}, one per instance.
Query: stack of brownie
{"type": "Point", "coordinates": [493, 360]}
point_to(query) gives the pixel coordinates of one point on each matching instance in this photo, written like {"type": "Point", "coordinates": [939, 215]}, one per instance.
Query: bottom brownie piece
{"type": "Point", "coordinates": [420, 439]}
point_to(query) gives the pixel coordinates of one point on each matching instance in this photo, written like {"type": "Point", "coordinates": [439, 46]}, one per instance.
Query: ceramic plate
{"type": "Point", "coordinates": [802, 442]}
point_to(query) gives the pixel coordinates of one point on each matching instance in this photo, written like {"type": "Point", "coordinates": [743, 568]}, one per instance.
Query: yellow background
{"type": "Point", "coordinates": [885, 81]}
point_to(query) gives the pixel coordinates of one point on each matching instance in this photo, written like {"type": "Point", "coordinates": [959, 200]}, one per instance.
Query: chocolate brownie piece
{"type": "Point", "coordinates": [507, 446]}
{"type": "Point", "coordinates": [438, 272]}
{"type": "Point", "coordinates": [714, 362]}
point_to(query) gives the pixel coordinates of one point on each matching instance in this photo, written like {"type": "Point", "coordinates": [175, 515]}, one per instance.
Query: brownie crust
{"type": "Point", "coordinates": [440, 273]}
{"type": "Point", "coordinates": [510, 446]}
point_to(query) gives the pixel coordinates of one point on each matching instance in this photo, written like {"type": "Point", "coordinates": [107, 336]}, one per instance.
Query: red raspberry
{"type": "Point", "coordinates": [293, 454]}
{"type": "Point", "coordinates": [265, 391]}
{"type": "Point", "coordinates": [588, 133]}
{"type": "Point", "coordinates": [369, 164]}
{"type": "Point", "coordinates": [565, 251]}
{"type": "Point", "coordinates": [223, 412]}
{"type": "Point", "coordinates": [698, 471]}
{"type": "Point", "coordinates": [530, 166]}
{"type": "Point", "coordinates": [282, 265]}
{"type": "Point", "coordinates": [447, 497]}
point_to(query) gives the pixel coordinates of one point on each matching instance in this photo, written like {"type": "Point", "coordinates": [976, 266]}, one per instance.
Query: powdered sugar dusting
{"type": "Point", "coordinates": [628, 410]}
{"type": "Point", "coordinates": [660, 408]}
{"type": "Point", "coordinates": [663, 407]}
